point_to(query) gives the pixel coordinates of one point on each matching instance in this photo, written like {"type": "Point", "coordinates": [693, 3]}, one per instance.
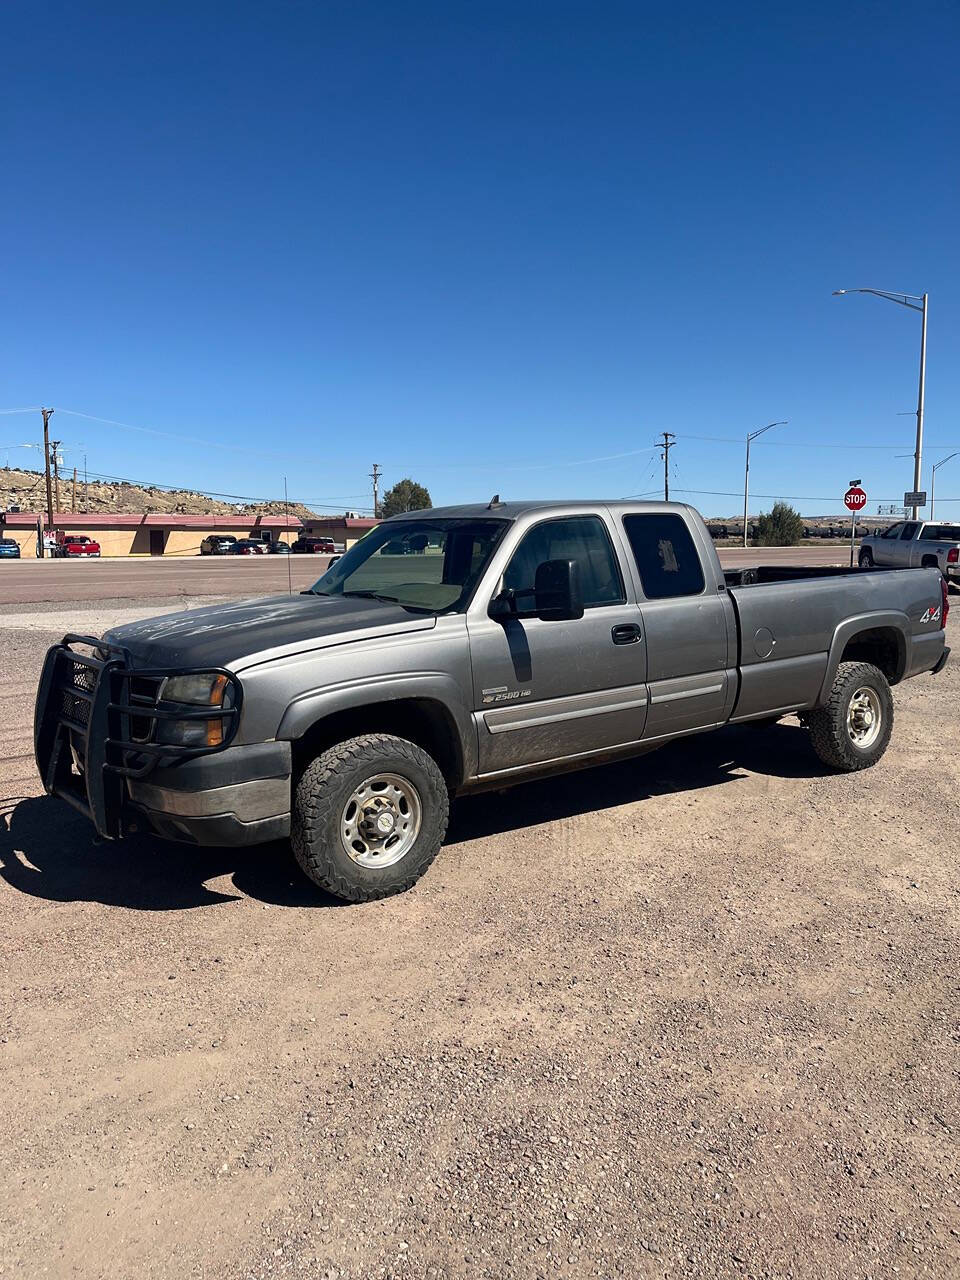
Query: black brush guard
{"type": "Point", "coordinates": [95, 726]}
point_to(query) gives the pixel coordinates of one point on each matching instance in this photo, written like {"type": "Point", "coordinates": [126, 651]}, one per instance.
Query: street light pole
{"type": "Point", "coordinates": [933, 478]}
{"type": "Point", "coordinates": [752, 435]}
{"type": "Point", "coordinates": [917, 457]}
{"type": "Point", "coordinates": [916, 303]}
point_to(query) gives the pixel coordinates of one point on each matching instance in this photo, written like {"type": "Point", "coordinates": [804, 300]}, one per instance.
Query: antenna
{"type": "Point", "coordinates": [286, 521]}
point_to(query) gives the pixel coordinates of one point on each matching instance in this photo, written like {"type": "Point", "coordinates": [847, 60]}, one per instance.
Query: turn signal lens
{"type": "Point", "coordinates": [200, 689]}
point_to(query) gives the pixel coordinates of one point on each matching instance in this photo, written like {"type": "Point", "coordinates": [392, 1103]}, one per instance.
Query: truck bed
{"type": "Point", "coordinates": [793, 623]}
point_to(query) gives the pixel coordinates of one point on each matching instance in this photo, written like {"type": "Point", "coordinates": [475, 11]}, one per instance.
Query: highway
{"type": "Point", "coordinates": [149, 580]}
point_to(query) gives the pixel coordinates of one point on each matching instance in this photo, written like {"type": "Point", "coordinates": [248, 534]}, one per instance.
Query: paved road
{"type": "Point", "coordinates": [43, 581]}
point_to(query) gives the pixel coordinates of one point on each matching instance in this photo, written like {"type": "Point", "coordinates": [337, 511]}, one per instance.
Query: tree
{"type": "Point", "coordinates": [781, 527]}
{"type": "Point", "coordinates": [406, 495]}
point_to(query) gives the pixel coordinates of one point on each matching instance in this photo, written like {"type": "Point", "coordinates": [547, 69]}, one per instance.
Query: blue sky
{"type": "Point", "coordinates": [492, 246]}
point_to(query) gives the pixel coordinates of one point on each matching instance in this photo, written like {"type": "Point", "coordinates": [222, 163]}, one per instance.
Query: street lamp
{"type": "Point", "coordinates": [933, 478]}
{"type": "Point", "coordinates": [915, 303]}
{"type": "Point", "coordinates": [752, 435]}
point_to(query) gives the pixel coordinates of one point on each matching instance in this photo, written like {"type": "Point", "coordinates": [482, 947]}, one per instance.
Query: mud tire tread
{"type": "Point", "coordinates": [828, 724]}
{"type": "Point", "coordinates": [317, 801]}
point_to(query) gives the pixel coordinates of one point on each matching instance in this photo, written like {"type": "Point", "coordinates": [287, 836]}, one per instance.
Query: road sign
{"type": "Point", "coordinates": [918, 499]}
{"type": "Point", "coordinates": [855, 499]}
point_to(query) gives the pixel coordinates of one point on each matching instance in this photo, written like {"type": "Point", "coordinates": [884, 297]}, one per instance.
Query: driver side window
{"type": "Point", "coordinates": [893, 532]}
{"type": "Point", "coordinates": [581, 538]}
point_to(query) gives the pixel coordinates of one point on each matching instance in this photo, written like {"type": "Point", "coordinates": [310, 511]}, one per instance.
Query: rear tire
{"type": "Point", "coordinates": [369, 816]}
{"type": "Point", "coordinates": [853, 729]}
{"type": "Point", "coordinates": [866, 558]}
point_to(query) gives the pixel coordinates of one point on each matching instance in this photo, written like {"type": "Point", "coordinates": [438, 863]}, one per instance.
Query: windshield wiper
{"type": "Point", "coordinates": [378, 595]}
{"type": "Point", "coordinates": [372, 595]}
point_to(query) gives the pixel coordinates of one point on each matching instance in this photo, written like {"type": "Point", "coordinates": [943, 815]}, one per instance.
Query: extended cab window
{"type": "Point", "coordinates": [581, 538]}
{"type": "Point", "coordinates": [665, 554]}
{"type": "Point", "coordinates": [940, 533]}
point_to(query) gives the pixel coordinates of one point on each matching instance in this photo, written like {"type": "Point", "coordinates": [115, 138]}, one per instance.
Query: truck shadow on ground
{"type": "Point", "coordinates": [780, 750]}
{"type": "Point", "coordinates": [49, 851]}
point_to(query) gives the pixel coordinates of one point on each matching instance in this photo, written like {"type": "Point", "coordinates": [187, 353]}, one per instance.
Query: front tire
{"type": "Point", "coordinates": [369, 816]}
{"type": "Point", "coordinates": [866, 558]}
{"type": "Point", "coordinates": [853, 729]}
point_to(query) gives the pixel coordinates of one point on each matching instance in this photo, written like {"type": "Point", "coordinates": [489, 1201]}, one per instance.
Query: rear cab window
{"type": "Point", "coordinates": [666, 556]}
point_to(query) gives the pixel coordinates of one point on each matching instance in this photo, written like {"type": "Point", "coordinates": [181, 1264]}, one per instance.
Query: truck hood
{"type": "Point", "coordinates": [223, 635]}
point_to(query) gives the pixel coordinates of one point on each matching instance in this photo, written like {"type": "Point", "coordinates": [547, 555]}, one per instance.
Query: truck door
{"type": "Point", "coordinates": [686, 623]}
{"type": "Point", "coordinates": [548, 690]}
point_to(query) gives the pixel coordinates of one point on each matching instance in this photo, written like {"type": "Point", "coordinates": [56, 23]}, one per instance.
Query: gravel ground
{"type": "Point", "coordinates": [693, 1015]}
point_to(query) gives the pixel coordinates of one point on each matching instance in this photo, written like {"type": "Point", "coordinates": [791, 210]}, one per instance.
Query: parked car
{"type": "Point", "coordinates": [73, 545]}
{"type": "Point", "coordinates": [278, 548]}
{"type": "Point", "coordinates": [249, 547]}
{"type": "Point", "coordinates": [9, 549]}
{"type": "Point", "coordinates": [314, 546]}
{"type": "Point", "coordinates": [541, 637]}
{"type": "Point", "coordinates": [218, 544]}
{"type": "Point", "coordinates": [933, 543]}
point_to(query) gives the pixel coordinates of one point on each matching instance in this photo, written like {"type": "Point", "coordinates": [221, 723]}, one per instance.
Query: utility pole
{"type": "Point", "coordinates": [375, 475]}
{"type": "Point", "coordinates": [74, 490]}
{"type": "Point", "coordinates": [86, 496]}
{"type": "Point", "coordinates": [669, 440]}
{"type": "Point", "coordinates": [55, 445]}
{"type": "Point", "coordinates": [46, 464]}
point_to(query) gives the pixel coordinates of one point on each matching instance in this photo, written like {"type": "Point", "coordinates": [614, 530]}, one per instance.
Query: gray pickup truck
{"type": "Point", "coordinates": [462, 648]}
{"type": "Point", "coordinates": [931, 544]}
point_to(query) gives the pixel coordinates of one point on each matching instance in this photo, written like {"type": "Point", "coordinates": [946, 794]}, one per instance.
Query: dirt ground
{"type": "Point", "coordinates": [693, 1015]}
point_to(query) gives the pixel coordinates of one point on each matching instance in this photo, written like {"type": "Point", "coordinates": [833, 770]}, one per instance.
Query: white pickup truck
{"type": "Point", "coordinates": [916, 544]}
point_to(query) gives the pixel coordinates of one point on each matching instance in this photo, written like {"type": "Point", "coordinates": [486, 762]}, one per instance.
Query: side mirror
{"type": "Point", "coordinates": [558, 594]}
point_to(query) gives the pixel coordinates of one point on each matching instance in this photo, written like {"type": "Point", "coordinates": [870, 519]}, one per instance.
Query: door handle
{"type": "Point", "coordinates": [626, 633]}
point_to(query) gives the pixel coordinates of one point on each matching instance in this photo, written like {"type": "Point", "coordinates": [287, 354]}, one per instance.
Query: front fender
{"type": "Point", "coordinates": [426, 686]}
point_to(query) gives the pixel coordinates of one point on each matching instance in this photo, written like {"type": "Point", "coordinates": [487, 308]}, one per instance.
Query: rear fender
{"type": "Point", "coordinates": [891, 621]}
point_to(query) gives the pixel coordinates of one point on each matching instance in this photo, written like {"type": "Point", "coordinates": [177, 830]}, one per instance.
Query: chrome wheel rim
{"type": "Point", "coordinates": [381, 821]}
{"type": "Point", "coordinates": [864, 718]}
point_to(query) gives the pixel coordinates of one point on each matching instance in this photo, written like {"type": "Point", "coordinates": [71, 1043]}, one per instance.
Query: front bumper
{"type": "Point", "coordinates": [96, 741]}
{"type": "Point", "coordinates": [238, 796]}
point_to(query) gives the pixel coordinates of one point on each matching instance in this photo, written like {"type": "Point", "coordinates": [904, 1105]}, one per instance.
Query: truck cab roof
{"type": "Point", "coordinates": [515, 508]}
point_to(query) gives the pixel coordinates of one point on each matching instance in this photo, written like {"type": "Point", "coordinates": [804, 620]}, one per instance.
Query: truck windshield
{"type": "Point", "coordinates": [426, 564]}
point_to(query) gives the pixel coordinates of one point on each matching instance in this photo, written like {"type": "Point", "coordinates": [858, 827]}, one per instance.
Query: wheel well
{"type": "Point", "coordinates": [881, 646]}
{"type": "Point", "coordinates": [929, 562]}
{"type": "Point", "coordinates": [419, 720]}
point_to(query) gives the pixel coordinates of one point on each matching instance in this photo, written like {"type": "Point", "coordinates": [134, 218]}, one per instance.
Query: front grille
{"type": "Point", "coordinates": [75, 709]}
{"type": "Point", "coordinates": [144, 692]}
{"type": "Point", "coordinates": [82, 677]}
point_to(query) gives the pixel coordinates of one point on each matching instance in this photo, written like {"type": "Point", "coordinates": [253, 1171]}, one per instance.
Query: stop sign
{"type": "Point", "coordinates": [855, 499]}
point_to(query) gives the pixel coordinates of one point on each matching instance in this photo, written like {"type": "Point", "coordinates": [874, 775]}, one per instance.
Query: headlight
{"type": "Point", "coordinates": [201, 689]}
